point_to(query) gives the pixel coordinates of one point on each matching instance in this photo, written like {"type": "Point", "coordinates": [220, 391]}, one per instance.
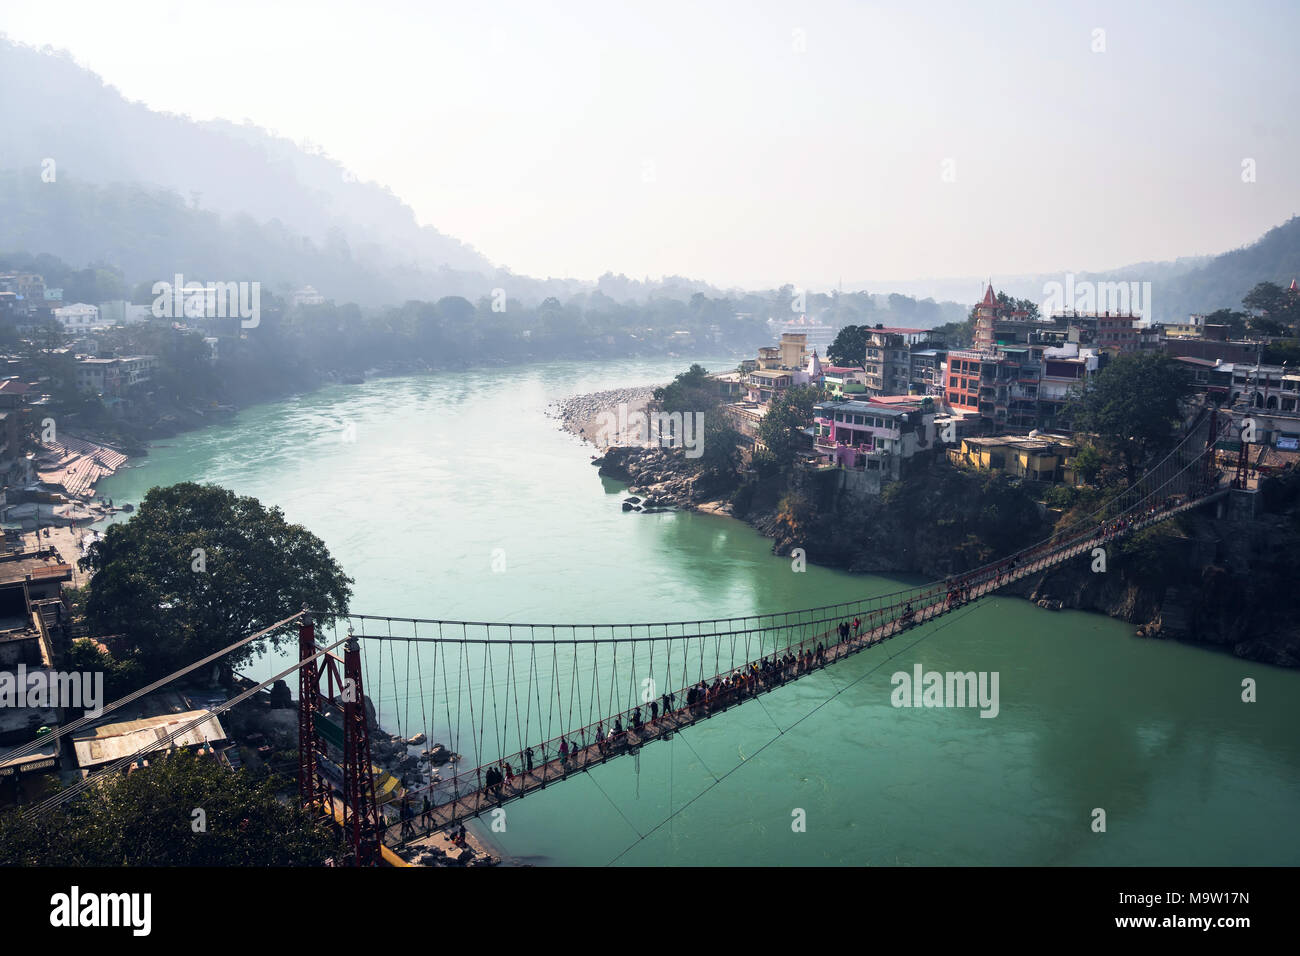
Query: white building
{"type": "Point", "coordinates": [78, 317]}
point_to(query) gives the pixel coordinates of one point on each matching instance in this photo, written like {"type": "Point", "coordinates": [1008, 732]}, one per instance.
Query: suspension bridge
{"type": "Point", "coordinates": [526, 706]}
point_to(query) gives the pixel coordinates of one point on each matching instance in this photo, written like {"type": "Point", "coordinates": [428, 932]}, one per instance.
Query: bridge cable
{"type": "Point", "coordinates": [432, 703]}
{"type": "Point", "coordinates": [24, 749]}
{"type": "Point", "coordinates": [511, 685]}
{"type": "Point", "coordinates": [63, 796]}
{"type": "Point", "coordinates": [718, 780]}
{"type": "Point", "coordinates": [528, 693]}
{"type": "Point", "coordinates": [476, 733]}
{"type": "Point", "coordinates": [615, 806]}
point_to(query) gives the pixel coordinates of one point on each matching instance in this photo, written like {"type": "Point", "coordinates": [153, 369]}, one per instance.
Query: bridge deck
{"type": "Point", "coordinates": [934, 603]}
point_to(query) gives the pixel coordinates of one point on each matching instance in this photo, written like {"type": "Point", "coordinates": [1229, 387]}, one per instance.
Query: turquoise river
{"type": "Point", "coordinates": [417, 483]}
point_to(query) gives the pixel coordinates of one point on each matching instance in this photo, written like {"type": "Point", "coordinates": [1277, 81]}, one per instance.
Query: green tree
{"type": "Point", "coordinates": [1275, 310]}
{"type": "Point", "coordinates": [781, 428]}
{"type": "Point", "coordinates": [1133, 406]}
{"type": "Point", "coordinates": [197, 567]}
{"type": "Point", "coordinates": [147, 818]}
{"type": "Point", "coordinates": [121, 677]}
{"type": "Point", "coordinates": [1286, 352]}
{"type": "Point", "coordinates": [690, 391]}
{"type": "Point", "coordinates": [1088, 463]}
{"type": "Point", "coordinates": [850, 346]}
{"type": "Point", "coordinates": [693, 392]}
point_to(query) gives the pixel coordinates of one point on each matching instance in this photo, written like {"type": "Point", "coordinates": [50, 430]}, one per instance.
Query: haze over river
{"type": "Point", "coordinates": [446, 469]}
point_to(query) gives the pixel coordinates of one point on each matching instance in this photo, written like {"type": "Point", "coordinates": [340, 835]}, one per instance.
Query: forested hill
{"type": "Point", "coordinates": [1224, 280]}
{"type": "Point", "coordinates": [152, 234]}
{"type": "Point", "coordinates": [52, 108]}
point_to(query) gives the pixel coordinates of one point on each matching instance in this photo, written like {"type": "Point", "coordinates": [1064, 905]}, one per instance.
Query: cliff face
{"type": "Point", "coordinates": [1230, 582]}
{"type": "Point", "coordinates": [1226, 583]}
{"type": "Point", "coordinates": [936, 522]}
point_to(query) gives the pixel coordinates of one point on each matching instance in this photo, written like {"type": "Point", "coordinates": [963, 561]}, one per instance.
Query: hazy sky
{"type": "Point", "coordinates": [751, 142]}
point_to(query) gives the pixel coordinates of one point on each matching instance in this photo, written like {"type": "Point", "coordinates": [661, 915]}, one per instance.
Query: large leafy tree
{"type": "Point", "coordinates": [850, 346]}
{"type": "Point", "coordinates": [692, 392]}
{"type": "Point", "coordinates": [198, 567]}
{"type": "Point", "coordinates": [781, 428]}
{"type": "Point", "coordinates": [1133, 406]}
{"type": "Point", "coordinates": [147, 818]}
{"type": "Point", "coordinates": [1275, 310]}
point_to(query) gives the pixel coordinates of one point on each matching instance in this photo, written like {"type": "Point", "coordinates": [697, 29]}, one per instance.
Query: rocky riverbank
{"type": "Point", "coordinates": [660, 479]}
{"type": "Point", "coordinates": [603, 418]}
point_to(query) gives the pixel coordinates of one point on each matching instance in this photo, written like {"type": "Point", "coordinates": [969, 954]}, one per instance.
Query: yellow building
{"type": "Point", "coordinates": [794, 349]}
{"type": "Point", "coordinates": [1019, 456]}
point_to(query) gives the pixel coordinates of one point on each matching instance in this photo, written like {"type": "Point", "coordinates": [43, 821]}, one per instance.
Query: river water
{"type": "Point", "coordinates": [453, 496]}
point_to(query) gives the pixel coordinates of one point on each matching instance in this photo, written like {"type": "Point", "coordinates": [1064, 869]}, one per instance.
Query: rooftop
{"type": "Point", "coordinates": [899, 330]}
{"type": "Point", "coordinates": [1022, 442]}
{"type": "Point", "coordinates": [110, 742]}
{"type": "Point", "coordinates": [856, 407]}
{"type": "Point", "coordinates": [16, 567]}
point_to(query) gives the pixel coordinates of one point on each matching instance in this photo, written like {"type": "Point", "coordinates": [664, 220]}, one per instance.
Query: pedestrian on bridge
{"type": "Point", "coordinates": [426, 816]}
{"type": "Point", "coordinates": [654, 711]}
{"type": "Point", "coordinates": [564, 752]}
{"type": "Point", "coordinates": [528, 760]}
{"type": "Point", "coordinates": [407, 814]}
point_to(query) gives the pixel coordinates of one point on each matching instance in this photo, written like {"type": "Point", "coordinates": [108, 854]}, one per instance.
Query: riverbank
{"type": "Point", "coordinates": [603, 418]}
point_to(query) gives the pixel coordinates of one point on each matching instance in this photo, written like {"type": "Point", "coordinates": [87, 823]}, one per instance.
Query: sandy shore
{"type": "Point", "coordinates": [590, 417]}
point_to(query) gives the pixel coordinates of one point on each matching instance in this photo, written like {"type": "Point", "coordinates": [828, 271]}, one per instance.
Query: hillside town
{"type": "Point", "coordinates": [1003, 403]}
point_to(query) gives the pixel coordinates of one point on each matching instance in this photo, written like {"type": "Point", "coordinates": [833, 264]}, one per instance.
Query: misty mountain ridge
{"type": "Point", "coordinates": [219, 199]}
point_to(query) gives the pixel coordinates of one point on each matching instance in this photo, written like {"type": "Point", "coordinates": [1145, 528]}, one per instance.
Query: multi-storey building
{"type": "Point", "coordinates": [78, 317]}
{"type": "Point", "coordinates": [1064, 369]}
{"type": "Point", "coordinates": [1018, 386]}
{"type": "Point", "coordinates": [872, 435]}
{"type": "Point", "coordinates": [27, 289]}
{"type": "Point", "coordinates": [963, 385]}
{"type": "Point", "coordinates": [111, 377]}
{"type": "Point", "coordinates": [925, 376]}
{"type": "Point", "coordinates": [887, 362]}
